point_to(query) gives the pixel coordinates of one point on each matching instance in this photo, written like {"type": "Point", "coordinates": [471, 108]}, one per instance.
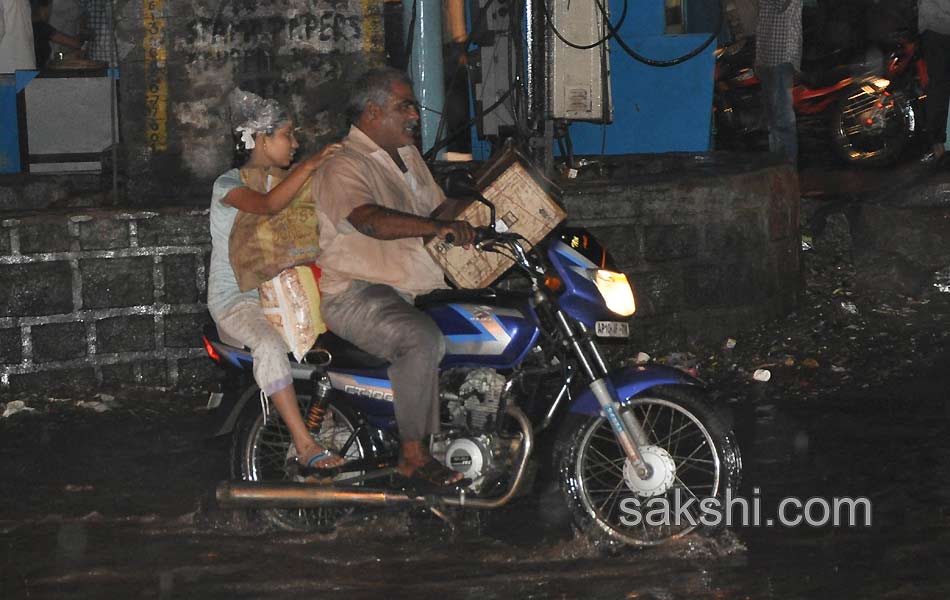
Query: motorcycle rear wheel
{"type": "Point", "coordinates": [693, 453]}
{"type": "Point", "coordinates": [261, 450]}
{"type": "Point", "coordinates": [870, 129]}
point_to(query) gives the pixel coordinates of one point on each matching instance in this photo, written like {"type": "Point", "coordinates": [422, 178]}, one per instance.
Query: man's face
{"type": "Point", "coordinates": [398, 119]}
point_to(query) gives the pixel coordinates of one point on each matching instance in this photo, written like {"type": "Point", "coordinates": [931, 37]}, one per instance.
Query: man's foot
{"type": "Point", "coordinates": [431, 474]}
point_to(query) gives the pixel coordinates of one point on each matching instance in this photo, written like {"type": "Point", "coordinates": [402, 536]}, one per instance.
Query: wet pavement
{"type": "Point", "coordinates": [117, 503]}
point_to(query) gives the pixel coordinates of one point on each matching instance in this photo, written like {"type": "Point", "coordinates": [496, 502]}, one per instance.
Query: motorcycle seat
{"type": "Point", "coordinates": [453, 295]}
{"type": "Point", "coordinates": [343, 354]}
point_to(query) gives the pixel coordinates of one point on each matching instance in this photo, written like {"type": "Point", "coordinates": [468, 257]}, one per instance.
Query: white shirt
{"type": "Point", "coordinates": [16, 37]}
{"type": "Point", "coordinates": [363, 173]}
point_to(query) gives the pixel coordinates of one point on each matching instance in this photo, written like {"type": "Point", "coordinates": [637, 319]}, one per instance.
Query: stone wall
{"type": "Point", "coordinates": [711, 242]}
{"type": "Point", "coordinates": [103, 297]}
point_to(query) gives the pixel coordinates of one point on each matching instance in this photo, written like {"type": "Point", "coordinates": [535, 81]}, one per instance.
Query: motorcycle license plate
{"type": "Point", "coordinates": [616, 329]}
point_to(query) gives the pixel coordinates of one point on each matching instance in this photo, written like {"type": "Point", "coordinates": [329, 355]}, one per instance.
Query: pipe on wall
{"type": "Point", "coordinates": [455, 25]}
{"type": "Point", "coordinates": [422, 26]}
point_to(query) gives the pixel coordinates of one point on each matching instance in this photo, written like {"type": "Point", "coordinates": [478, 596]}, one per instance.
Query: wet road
{"type": "Point", "coordinates": [114, 505]}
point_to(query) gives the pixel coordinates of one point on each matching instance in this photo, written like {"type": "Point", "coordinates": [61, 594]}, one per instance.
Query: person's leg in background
{"type": "Point", "coordinates": [777, 85]}
{"type": "Point", "coordinates": [937, 54]}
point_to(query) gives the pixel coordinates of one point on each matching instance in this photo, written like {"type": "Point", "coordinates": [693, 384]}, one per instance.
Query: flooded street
{"type": "Point", "coordinates": [115, 505]}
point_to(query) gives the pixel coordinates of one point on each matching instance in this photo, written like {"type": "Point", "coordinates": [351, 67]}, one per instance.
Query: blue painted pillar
{"type": "Point", "coordinates": [425, 63]}
{"type": "Point", "coordinates": [10, 140]}
{"type": "Point", "coordinates": [11, 84]}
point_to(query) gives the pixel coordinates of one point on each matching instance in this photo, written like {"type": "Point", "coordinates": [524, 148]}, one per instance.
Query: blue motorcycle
{"type": "Point", "coordinates": [521, 362]}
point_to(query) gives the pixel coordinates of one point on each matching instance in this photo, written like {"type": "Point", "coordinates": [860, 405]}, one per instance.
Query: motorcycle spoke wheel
{"type": "Point", "coordinates": [268, 447]}
{"type": "Point", "coordinates": [692, 455]}
{"type": "Point", "coordinates": [870, 129]}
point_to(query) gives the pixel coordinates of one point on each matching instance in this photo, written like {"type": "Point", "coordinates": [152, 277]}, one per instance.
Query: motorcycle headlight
{"type": "Point", "coordinates": [616, 291]}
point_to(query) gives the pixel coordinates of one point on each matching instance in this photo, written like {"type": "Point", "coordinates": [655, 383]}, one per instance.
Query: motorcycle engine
{"type": "Point", "coordinates": [484, 459]}
{"type": "Point", "coordinates": [474, 406]}
{"type": "Point", "coordinates": [471, 399]}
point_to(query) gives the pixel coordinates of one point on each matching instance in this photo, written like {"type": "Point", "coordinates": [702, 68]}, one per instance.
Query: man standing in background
{"type": "Point", "coordinates": [101, 46]}
{"type": "Point", "coordinates": [778, 55]}
{"type": "Point", "coordinates": [933, 22]}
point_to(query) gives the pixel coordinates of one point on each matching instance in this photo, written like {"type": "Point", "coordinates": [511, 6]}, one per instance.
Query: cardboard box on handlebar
{"type": "Point", "coordinates": [524, 203]}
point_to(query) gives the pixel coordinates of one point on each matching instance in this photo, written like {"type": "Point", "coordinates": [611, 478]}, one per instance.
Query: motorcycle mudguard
{"type": "Point", "coordinates": [630, 381]}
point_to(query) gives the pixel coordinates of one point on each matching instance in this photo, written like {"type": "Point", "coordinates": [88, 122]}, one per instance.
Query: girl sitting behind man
{"type": "Point", "coordinates": [267, 141]}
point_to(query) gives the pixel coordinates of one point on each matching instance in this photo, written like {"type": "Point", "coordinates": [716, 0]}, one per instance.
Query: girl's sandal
{"type": "Point", "coordinates": [317, 464]}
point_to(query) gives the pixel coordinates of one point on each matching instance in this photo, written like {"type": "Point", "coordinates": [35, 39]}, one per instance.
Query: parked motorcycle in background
{"type": "Point", "coordinates": [519, 365]}
{"type": "Point", "coordinates": [854, 108]}
{"type": "Point", "coordinates": [906, 69]}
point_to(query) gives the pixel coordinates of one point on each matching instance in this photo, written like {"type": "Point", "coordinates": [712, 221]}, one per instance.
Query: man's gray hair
{"type": "Point", "coordinates": [373, 86]}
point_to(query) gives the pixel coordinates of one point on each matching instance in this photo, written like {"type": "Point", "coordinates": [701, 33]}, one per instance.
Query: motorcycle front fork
{"type": "Point", "coordinates": [626, 427]}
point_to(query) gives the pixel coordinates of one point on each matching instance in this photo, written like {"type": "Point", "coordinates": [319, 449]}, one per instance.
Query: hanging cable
{"type": "Point", "coordinates": [601, 41]}
{"type": "Point", "coordinates": [431, 152]}
{"type": "Point", "coordinates": [514, 68]}
{"type": "Point", "coordinates": [409, 32]}
{"type": "Point", "coordinates": [665, 63]}
{"type": "Point", "coordinates": [613, 31]}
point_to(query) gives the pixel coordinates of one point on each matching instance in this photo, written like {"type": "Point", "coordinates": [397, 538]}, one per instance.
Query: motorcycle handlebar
{"type": "Point", "coordinates": [484, 234]}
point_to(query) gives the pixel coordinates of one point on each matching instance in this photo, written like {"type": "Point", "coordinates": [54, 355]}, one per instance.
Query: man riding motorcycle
{"type": "Point", "coordinates": [372, 202]}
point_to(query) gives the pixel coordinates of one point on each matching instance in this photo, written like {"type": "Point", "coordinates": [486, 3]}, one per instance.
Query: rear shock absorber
{"type": "Point", "coordinates": [319, 401]}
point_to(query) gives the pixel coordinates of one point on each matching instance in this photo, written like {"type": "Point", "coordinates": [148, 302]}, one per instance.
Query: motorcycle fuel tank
{"type": "Point", "coordinates": [490, 336]}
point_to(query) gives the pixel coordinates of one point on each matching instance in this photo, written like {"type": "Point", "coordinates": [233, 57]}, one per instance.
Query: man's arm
{"type": "Point", "coordinates": [387, 224]}
{"type": "Point", "coordinates": [65, 40]}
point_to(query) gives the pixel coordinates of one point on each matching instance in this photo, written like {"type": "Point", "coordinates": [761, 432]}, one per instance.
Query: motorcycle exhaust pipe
{"type": "Point", "coordinates": [258, 494]}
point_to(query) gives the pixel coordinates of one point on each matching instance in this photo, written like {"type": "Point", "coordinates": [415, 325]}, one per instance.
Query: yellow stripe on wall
{"type": "Point", "coordinates": [373, 35]}
{"type": "Point", "coordinates": [156, 75]}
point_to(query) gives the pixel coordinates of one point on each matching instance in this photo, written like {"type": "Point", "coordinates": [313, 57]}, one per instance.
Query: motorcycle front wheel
{"type": "Point", "coordinates": [693, 457]}
{"type": "Point", "coordinates": [262, 451]}
{"type": "Point", "coordinates": [870, 128]}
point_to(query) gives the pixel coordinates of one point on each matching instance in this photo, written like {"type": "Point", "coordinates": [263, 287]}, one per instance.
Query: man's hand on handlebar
{"type": "Point", "coordinates": [460, 233]}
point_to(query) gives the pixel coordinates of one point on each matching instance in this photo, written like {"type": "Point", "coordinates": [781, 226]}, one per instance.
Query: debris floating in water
{"type": "Point", "coordinates": [942, 280]}
{"type": "Point", "coordinates": [16, 406]}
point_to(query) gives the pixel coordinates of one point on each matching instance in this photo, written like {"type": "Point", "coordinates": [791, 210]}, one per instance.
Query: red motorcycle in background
{"type": "Point", "coordinates": [853, 107]}
{"type": "Point", "coordinates": [906, 69]}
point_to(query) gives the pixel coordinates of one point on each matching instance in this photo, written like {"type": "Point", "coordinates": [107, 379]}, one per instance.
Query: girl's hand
{"type": "Point", "coordinates": [312, 162]}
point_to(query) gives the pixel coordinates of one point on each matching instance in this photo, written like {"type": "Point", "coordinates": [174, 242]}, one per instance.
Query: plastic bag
{"type": "Point", "coordinates": [291, 302]}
